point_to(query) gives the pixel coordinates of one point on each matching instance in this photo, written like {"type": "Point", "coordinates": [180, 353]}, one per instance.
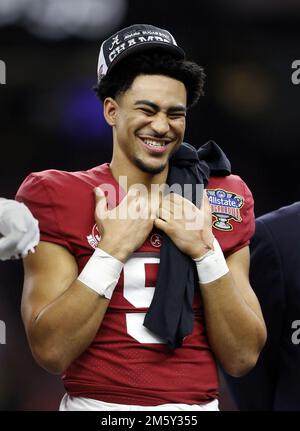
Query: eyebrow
{"type": "Point", "coordinates": [176, 108]}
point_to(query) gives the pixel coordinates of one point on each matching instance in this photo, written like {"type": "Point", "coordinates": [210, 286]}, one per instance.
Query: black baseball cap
{"type": "Point", "coordinates": [136, 38]}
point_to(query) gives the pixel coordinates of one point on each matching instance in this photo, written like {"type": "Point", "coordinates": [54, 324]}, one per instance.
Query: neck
{"type": "Point", "coordinates": [134, 175]}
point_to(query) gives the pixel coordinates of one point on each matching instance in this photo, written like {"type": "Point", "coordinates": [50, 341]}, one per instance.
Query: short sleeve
{"type": "Point", "coordinates": [35, 193]}
{"type": "Point", "coordinates": [247, 226]}
{"type": "Point", "coordinates": [232, 208]}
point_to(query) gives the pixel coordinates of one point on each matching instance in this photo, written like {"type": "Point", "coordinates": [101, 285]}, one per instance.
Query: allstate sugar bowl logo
{"type": "Point", "coordinates": [225, 206]}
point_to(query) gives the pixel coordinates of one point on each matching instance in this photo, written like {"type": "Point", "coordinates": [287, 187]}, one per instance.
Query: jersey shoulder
{"type": "Point", "coordinates": [55, 184]}
{"type": "Point", "coordinates": [232, 181]}
{"type": "Point", "coordinates": [63, 202]}
{"type": "Point", "coordinates": [64, 178]}
{"type": "Point", "coordinates": [232, 209]}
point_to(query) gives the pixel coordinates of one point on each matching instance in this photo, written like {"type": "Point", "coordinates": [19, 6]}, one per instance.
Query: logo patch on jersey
{"type": "Point", "coordinates": [225, 206]}
{"type": "Point", "coordinates": [94, 237]}
{"type": "Point", "coordinates": [156, 240]}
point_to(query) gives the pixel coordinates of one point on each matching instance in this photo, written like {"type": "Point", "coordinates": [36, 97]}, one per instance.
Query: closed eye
{"type": "Point", "coordinates": [146, 111]}
{"type": "Point", "coordinates": [175, 115]}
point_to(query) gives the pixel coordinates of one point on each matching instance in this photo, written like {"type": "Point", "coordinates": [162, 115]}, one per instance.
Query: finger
{"type": "Point", "coordinates": [178, 209]}
{"type": "Point", "coordinates": [205, 196]}
{"type": "Point", "coordinates": [99, 194]}
{"type": "Point", "coordinates": [130, 199]}
{"type": "Point", "coordinates": [101, 203]}
{"type": "Point", "coordinates": [161, 224]}
{"type": "Point", "coordinates": [153, 211]}
{"type": "Point", "coordinates": [168, 205]}
{"type": "Point", "coordinates": [155, 201]}
{"type": "Point", "coordinates": [205, 202]}
{"type": "Point", "coordinates": [190, 210]}
{"type": "Point", "coordinates": [175, 203]}
{"type": "Point", "coordinates": [164, 214]}
{"type": "Point", "coordinates": [176, 198]}
{"type": "Point", "coordinates": [145, 207]}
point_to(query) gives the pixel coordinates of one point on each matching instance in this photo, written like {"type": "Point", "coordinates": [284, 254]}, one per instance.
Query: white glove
{"type": "Point", "coordinates": [19, 231]}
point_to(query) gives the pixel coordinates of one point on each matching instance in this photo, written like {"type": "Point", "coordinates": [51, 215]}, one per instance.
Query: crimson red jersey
{"type": "Point", "coordinates": [126, 363]}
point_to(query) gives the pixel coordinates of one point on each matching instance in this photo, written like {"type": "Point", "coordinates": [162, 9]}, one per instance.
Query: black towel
{"type": "Point", "coordinates": [170, 314]}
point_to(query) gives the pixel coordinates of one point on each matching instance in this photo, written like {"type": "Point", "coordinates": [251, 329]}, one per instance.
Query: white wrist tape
{"type": "Point", "coordinates": [101, 273]}
{"type": "Point", "coordinates": [212, 265]}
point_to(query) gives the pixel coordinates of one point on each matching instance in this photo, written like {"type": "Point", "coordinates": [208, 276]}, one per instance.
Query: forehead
{"type": "Point", "coordinates": [159, 89]}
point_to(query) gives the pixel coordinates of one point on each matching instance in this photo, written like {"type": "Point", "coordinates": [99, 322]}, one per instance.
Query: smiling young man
{"type": "Point", "coordinates": [147, 133]}
{"type": "Point", "coordinates": [134, 311]}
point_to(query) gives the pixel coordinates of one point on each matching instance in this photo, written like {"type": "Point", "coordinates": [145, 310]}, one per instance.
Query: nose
{"type": "Point", "coordinates": [160, 123]}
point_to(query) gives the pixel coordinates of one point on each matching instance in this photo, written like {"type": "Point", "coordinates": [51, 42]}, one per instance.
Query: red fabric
{"type": "Point", "coordinates": [116, 367]}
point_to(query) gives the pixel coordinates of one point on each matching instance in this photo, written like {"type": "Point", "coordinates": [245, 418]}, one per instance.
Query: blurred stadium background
{"type": "Point", "coordinates": [50, 118]}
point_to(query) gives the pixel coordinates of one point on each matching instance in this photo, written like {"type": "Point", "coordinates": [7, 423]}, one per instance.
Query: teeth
{"type": "Point", "coordinates": [154, 143]}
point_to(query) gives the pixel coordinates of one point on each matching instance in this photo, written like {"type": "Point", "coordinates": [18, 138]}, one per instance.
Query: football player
{"type": "Point", "coordinates": [109, 300]}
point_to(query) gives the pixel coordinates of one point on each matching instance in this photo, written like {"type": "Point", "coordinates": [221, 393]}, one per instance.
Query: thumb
{"type": "Point", "coordinates": [206, 204]}
{"type": "Point", "coordinates": [161, 224]}
{"type": "Point", "coordinates": [101, 203]}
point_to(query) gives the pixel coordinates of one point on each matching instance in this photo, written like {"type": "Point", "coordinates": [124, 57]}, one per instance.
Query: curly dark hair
{"type": "Point", "coordinates": [119, 79]}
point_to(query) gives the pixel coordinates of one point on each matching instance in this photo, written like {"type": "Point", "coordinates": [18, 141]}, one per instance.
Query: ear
{"type": "Point", "coordinates": [110, 108]}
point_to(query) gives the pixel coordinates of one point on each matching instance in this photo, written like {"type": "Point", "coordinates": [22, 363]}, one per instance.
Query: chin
{"type": "Point", "coordinates": [149, 169]}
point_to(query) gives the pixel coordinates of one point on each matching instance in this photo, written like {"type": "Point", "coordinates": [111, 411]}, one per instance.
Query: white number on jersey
{"type": "Point", "coordinates": [136, 292]}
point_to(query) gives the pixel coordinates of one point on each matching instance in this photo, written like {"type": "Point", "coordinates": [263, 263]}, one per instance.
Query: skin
{"type": "Point", "coordinates": [153, 107]}
{"type": "Point", "coordinates": [139, 114]}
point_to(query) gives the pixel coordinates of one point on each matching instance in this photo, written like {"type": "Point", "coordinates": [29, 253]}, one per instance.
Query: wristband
{"type": "Point", "coordinates": [212, 265]}
{"type": "Point", "coordinates": [101, 273]}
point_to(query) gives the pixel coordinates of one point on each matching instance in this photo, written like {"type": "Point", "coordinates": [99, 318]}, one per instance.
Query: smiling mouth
{"type": "Point", "coordinates": [155, 146]}
{"type": "Point", "coordinates": [153, 143]}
